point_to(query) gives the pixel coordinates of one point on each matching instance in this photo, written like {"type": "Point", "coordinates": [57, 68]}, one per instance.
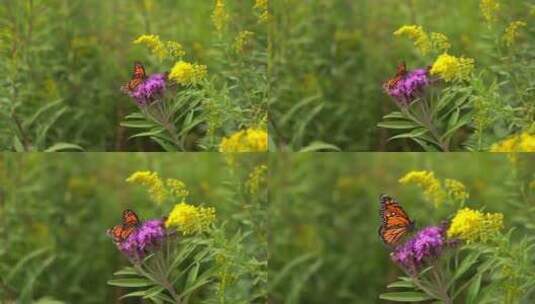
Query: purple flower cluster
{"type": "Point", "coordinates": [149, 90]}
{"type": "Point", "coordinates": [148, 236]}
{"type": "Point", "coordinates": [425, 247]}
{"type": "Point", "coordinates": [408, 87]}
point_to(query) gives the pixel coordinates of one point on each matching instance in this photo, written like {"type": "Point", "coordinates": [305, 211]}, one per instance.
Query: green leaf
{"type": "Point", "coordinates": [466, 263]}
{"type": "Point", "coordinates": [62, 146]}
{"type": "Point", "coordinates": [407, 296]}
{"type": "Point", "coordinates": [397, 124]}
{"type": "Point", "coordinates": [318, 145]}
{"type": "Point", "coordinates": [401, 284]}
{"type": "Point", "coordinates": [17, 144]}
{"type": "Point", "coordinates": [394, 115]}
{"type": "Point", "coordinates": [137, 124]}
{"type": "Point", "coordinates": [473, 290]}
{"type": "Point", "coordinates": [414, 133]}
{"type": "Point", "coordinates": [131, 282]}
{"type": "Point", "coordinates": [126, 271]}
{"type": "Point", "coordinates": [23, 261]}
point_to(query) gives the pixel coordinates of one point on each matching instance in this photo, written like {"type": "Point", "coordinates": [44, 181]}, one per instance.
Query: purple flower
{"type": "Point", "coordinates": [425, 247]}
{"type": "Point", "coordinates": [149, 90]}
{"type": "Point", "coordinates": [408, 87]}
{"type": "Point", "coordinates": [148, 236]}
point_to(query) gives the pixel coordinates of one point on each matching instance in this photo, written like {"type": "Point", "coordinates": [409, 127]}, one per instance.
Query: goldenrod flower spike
{"type": "Point", "coordinates": [190, 219]}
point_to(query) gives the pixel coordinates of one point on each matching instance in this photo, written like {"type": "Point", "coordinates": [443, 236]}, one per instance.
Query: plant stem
{"type": "Point", "coordinates": [427, 121]}
{"type": "Point", "coordinates": [442, 288]}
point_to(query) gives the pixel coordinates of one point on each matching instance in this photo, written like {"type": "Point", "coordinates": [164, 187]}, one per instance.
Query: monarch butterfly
{"type": "Point", "coordinates": [395, 222]}
{"type": "Point", "coordinates": [138, 76]}
{"type": "Point", "coordinates": [130, 222]}
{"type": "Point", "coordinates": [401, 71]}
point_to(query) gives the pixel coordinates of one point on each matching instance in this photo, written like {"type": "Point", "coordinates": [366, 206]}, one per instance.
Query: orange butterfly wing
{"type": "Point", "coordinates": [130, 218]}
{"type": "Point", "coordinates": [395, 221]}
{"type": "Point", "coordinates": [138, 76]}
{"type": "Point", "coordinates": [401, 71]}
{"type": "Point", "coordinates": [130, 222]}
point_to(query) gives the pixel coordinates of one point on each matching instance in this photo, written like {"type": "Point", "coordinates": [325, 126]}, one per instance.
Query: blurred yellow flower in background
{"type": "Point", "coordinates": [177, 187]}
{"type": "Point", "coordinates": [418, 35]}
{"type": "Point", "coordinates": [473, 225]}
{"type": "Point", "coordinates": [489, 9]}
{"type": "Point", "coordinates": [249, 140]}
{"type": "Point", "coordinates": [256, 179]}
{"type": "Point", "coordinates": [190, 219]}
{"type": "Point", "coordinates": [523, 142]}
{"type": "Point", "coordinates": [426, 180]}
{"type": "Point", "coordinates": [456, 190]}
{"type": "Point", "coordinates": [452, 68]}
{"type": "Point", "coordinates": [152, 181]}
{"type": "Point", "coordinates": [511, 32]}
{"type": "Point", "coordinates": [186, 73]}
{"type": "Point", "coordinates": [220, 15]}
{"type": "Point", "coordinates": [263, 7]}
{"type": "Point", "coordinates": [243, 41]}
{"type": "Point", "coordinates": [440, 42]}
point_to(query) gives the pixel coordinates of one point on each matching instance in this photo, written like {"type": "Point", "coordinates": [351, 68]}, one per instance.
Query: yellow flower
{"type": "Point", "coordinates": [250, 140]}
{"type": "Point", "coordinates": [177, 187]}
{"type": "Point", "coordinates": [256, 179]}
{"type": "Point", "coordinates": [262, 7]}
{"type": "Point", "coordinates": [154, 43]}
{"type": "Point", "coordinates": [151, 180]}
{"type": "Point", "coordinates": [159, 48]}
{"type": "Point", "coordinates": [452, 68]}
{"type": "Point", "coordinates": [186, 73]}
{"type": "Point", "coordinates": [220, 16]}
{"type": "Point", "coordinates": [511, 32]}
{"type": "Point", "coordinates": [440, 42]}
{"type": "Point", "coordinates": [523, 142]}
{"type": "Point", "coordinates": [456, 190]}
{"type": "Point", "coordinates": [190, 219]}
{"type": "Point", "coordinates": [418, 35]}
{"type": "Point", "coordinates": [473, 225]}
{"type": "Point", "coordinates": [243, 41]}
{"type": "Point", "coordinates": [489, 9]}
{"type": "Point", "coordinates": [426, 180]}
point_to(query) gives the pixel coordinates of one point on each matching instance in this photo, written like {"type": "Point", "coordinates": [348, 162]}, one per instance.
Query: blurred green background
{"type": "Point", "coordinates": [55, 209]}
{"type": "Point", "coordinates": [330, 58]}
{"type": "Point", "coordinates": [324, 246]}
{"type": "Point", "coordinates": [64, 63]}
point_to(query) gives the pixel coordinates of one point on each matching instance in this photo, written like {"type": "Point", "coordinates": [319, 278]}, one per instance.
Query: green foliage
{"type": "Point", "coordinates": [64, 63]}
{"type": "Point", "coordinates": [329, 59]}
{"type": "Point", "coordinates": [324, 242]}
{"type": "Point", "coordinates": [55, 211]}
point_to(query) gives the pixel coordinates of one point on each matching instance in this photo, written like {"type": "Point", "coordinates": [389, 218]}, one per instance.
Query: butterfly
{"type": "Point", "coordinates": [401, 72]}
{"type": "Point", "coordinates": [130, 222]}
{"type": "Point", "coordinates": [395, 222]}
{"type": "Point", "coordinates": [138, 76]}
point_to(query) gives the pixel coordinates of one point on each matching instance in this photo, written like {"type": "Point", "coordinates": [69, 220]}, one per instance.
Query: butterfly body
{"type": "Point", "coordinates": [401, 72]}
{"type": "Point", "coordinates": [138, 76]}
{"type": "Point", "coordinates": [396, 224]}
{"type": "Point", "coordinates": [121, 232]}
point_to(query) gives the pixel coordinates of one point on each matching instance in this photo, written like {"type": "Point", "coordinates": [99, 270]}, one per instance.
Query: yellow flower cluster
{"type": "Point", "coordinates": [159, 48]}
{"type": "Point", "coordinates": [489, 9]}
{"type": "Point", "coordinates": [418, 35]}
{"type": "Point", "coordinates": [220, 16]}
{"type": "Point", "coordinates": [456, 190]}
{"type": "Point", "coordinates": [433, 190]}
{"type": "Point", "coordinates": [262, 7]}
{"type": "Point", "coordinates": [440, 42]}
{"type": "Point", "coordinates": [523, 142]}
{"type": "Point", "coordinates": [256, 179]}
{"type": "Point", "coordinates": [243, 41]}
{"type": "Point", "coordinates": [473, 225]}
{"type": "Point", "coordinates": [249, 140]}
{"type": "Point", "coordinates": [511, 32]}
{"type": "Point", "coordinates": [190, 219]}
{"type": "Point", "coordinates": [452, 68]}
{"type": "Point", "coordinates": [151, 180]}
{"type": "Point", "coordinates": [177, 187]}
{"type": "Point", "coordinates": [186, 73]}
